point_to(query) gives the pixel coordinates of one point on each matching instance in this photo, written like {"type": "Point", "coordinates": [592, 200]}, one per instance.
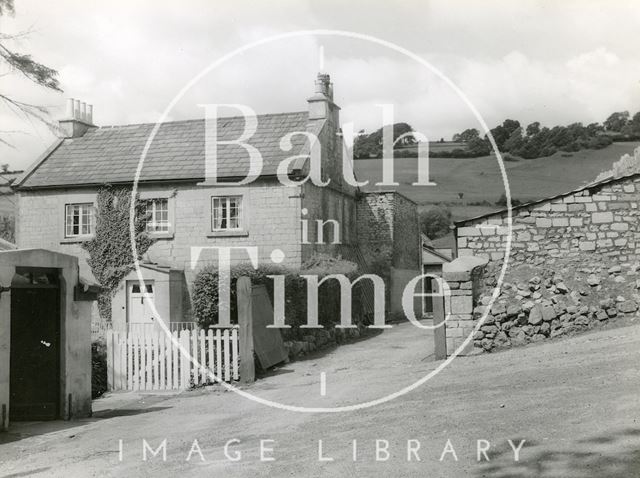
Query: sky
{"type": "Point", "coordinates": [555, 62]}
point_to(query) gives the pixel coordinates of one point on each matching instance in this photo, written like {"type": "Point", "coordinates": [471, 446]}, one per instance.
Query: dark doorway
{"type": "Point", "coordinates": [35, 344]}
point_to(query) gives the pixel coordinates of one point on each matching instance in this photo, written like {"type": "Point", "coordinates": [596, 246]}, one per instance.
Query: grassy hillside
{"type": "Point", "coordinates": [479, 179]}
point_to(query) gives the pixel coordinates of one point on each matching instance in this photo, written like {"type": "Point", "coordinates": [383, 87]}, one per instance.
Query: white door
{"type": "Point", "coordinates": [139, 308]}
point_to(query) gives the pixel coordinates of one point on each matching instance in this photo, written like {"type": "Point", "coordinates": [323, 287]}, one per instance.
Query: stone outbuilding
{"type": "Point", "coordinates": [45, 337]}
{"type": "Point", "coordinates": [599, 218]}
{"type": "Point", "coordinates": [573, 264]}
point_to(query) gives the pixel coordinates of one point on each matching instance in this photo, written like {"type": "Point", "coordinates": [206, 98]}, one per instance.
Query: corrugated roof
{"type": "Point", "coordinates": [111, 154]}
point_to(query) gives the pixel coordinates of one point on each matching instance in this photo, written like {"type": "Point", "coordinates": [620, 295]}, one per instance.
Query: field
{"type": "Point", "coordinates": [479, 179]}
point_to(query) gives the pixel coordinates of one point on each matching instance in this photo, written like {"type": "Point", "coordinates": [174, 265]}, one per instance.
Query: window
{"type": "Point", "coordinates": [158, 215]}
{"type": "Point", "coordinates": [226, 213]}
{"type": "Point", "coordinates": [135, 288]}
{"type": "Point", "coordinates": [79, 219]}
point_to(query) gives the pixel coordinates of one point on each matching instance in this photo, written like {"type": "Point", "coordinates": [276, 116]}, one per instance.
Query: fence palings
{"type": "Point", "coordinates": [149, 360]}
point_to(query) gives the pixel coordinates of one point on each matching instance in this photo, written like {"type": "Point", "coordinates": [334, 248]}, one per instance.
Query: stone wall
{"type": "Point", "coordinates": [463, 276]}
{"type": "Point", "coordinates": [562, 300]}
{"type": "Point", "coordinates": [389, 238]}
{"type": "Point", "coordinates": [573, 264]}
{"type": "Point", "coordinates": [389, 229]}
{"type": "Point", "coordinates": [272, 214]}
{"type": "Point", "coordinates": [602, 219]}
{"type": "Point", "coordinates": [407, 246]}
{"type": "Point", "coordinates": [327, 204]}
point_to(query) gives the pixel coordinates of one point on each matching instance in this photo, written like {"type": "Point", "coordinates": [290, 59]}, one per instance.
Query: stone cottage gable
{"type": "Point", "coordinates": [600, 218]}
{"type": "Point", "coordinates": [111, 154]}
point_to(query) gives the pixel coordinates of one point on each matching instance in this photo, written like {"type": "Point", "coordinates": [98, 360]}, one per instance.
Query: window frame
{"type": "Point", "coordinates": [152, 220]}
{"type": "Point", "coordinates": [242, 229]}
{"type": "Point", "coordinates": [170, 196]}
{"type": "Point", "coordinates": [227, 207]}
{"type": "Point", "coordinates": [92, 221]}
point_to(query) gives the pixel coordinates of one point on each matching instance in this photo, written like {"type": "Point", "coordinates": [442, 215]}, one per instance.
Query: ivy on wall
{"type": "Point", "coordinates": [8, 228]}
{"type": "Point", "coordinates": [110, 253]}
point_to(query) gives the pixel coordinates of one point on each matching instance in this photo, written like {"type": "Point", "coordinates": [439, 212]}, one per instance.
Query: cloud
{"type": "Point", "coordinates": [523, 60]}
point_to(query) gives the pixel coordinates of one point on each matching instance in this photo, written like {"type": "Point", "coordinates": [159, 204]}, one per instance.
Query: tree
{"type": "Point", "coordinates": [479, 147]}
{"type": "Point", "coordinates": [616, 121]}
{"type": "Point", "coordinates": [466, 136]}
{"type": "Point", "coordinates": [110, 252]}
{"type": "Point", "coordinates": [370, 146]}
{"type": "Point", "coordinates": [632, 128]}
{"type": "Point", "coordinates": [594, 128]}
{"type": "Point", "coordinates": [502, 201]}
{"type": "Point", "coordinates": [533, 128]}
{"type": "Point", "coordinates": [400, 129]}
{"type": "Point", "coordinates": [26, 66]}
{"type": "Point", "coordinates": [514, 142]}
{"type": "Point", "coordinates": [436, 222]}
{"type": "Point", "coordinates": [502, 132]}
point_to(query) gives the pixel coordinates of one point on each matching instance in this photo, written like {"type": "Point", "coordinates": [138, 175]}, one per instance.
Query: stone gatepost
{"type": "Point", "coordinates": [463, 276]}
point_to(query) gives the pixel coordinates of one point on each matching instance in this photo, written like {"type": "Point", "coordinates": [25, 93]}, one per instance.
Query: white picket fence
{"type": "Point", "coordinates": [150, 360]}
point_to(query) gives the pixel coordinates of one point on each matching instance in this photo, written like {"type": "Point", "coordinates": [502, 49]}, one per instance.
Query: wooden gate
{"type": "Point", "coordinates": [148, 360]}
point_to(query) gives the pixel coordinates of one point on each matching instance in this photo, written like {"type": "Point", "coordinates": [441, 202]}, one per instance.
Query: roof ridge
{"type": "Point", "coordinates": [194, 120]}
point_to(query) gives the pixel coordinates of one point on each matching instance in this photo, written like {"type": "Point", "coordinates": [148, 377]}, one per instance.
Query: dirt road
{"type": "Point", "coordinates": [575, 402]}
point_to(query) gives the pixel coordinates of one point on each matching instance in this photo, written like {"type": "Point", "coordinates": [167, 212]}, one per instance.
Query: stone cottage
{"type": "Point", "coordinates": [573, 263]}
{"type": "Point", "coordinates": [57, 194]}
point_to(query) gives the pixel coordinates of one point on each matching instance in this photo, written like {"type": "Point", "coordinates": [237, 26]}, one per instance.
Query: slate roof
{"type": "Point", "coordinates": [111, 154]}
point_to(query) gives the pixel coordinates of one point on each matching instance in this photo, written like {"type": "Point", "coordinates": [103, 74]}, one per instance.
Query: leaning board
{"type": "Point", "coordinates": [267, 343]}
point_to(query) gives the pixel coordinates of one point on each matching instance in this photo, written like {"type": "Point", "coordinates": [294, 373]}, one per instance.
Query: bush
{"type": "Point", "coordinates": [510, 158]}
{"type": "Point", "coordinates": [436, 222]}
{"type": "Point", "coordinates": [205, 298]}
{"type": "Point", "coordinates": [502, 201]}
{"type": "Point", "coordinates": [98, 368]}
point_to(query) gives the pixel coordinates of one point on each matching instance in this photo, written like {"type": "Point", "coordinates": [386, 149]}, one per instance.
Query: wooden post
{"type": "Point", "coordinates": [439, 333]}
{"type": "Point", "coordinates": [110, 383]}
{"type": "Point", "coordinates": [245, 321]}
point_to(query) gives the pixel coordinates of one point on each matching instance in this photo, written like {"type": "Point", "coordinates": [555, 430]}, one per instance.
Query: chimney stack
{"type": "Point", "coordinates": [321, 105]}
{"type": "Point", "coordinates": [78, 119]}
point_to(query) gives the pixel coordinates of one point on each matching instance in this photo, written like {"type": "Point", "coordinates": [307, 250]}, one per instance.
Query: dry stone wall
{"type": "Point", "coordinates": [562, 300]}
{"type": "Point", "coordinates": [574, 265]}
{"type": "Point", "coordinates": [603, 219]}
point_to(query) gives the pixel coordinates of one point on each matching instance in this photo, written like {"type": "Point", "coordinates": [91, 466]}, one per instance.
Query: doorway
{"type": "Point", "coordinates": [139, 302]}
{"type": "Point", "coordinates": [35, 344]}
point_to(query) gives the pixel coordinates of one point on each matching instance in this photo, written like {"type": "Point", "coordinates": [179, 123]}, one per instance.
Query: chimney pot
{"type": "Point", "coordinates": [321, 103]}
{"type": "Point", "coordinates": [78, 120]}
{"type": "Point", "coordinates": [70, 108]}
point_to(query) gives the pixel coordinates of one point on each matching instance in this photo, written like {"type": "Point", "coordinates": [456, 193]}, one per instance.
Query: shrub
{"type": "Point", "coordinates": [502, 201]}
{"type": "Point", "coordinates": [205, 298]}
{"type": "Point", "coordinates": [436, 222]}
{"type": "Point", "coordinates": [509, 157]}
{"type": "Point", "coordinates": [98, 368]}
